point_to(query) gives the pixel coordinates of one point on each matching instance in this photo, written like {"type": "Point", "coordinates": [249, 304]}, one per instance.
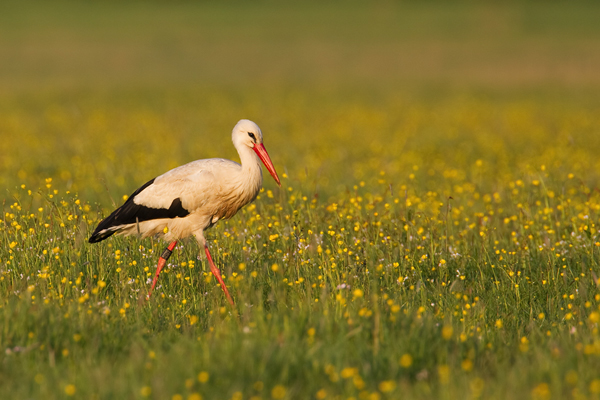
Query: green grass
{"type": "Point", "coordinates": [435, 235]}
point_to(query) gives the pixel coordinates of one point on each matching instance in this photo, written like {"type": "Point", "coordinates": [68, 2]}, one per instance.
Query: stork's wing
{"type": "Point", "coordinates": [192, 188]}
{"type": "Point", "coordinates": [174, 194]}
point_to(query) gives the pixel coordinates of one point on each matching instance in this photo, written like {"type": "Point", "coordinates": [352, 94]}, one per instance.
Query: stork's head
{"type": "Point", "coordinates": [247, 133]}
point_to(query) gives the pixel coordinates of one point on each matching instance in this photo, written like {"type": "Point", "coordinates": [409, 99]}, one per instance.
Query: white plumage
{"type": "Point", "coordinates": [209, 190]}
{"type": "Point", "coordinates": [191, 198]}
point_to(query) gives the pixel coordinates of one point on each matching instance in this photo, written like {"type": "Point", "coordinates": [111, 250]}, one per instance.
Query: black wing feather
{"type": "Point", "coordinates": [131, 213]}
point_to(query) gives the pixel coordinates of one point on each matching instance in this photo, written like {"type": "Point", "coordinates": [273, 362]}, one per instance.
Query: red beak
{"type": "Point", "coordinates": [260, 150]}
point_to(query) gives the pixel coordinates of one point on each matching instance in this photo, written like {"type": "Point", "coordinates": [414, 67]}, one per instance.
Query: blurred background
{"type": "Point", "coordinates": [69, 44]}
{"type": "Point", "coordinates": [104, 94]}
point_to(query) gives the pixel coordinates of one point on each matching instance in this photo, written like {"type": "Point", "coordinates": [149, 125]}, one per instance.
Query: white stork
{"type": "Point", "coordinates": [189, 199]}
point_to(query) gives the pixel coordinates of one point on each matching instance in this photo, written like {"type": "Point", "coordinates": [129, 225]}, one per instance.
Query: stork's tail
{"type": "Point", "coordinates": [118, 219]}
{"type": "Point", "coordinates": [101, 234]}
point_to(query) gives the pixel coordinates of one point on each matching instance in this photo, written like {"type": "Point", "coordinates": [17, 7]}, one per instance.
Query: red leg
{"type": "Point", "coordinates": [161, 263]}
{"type": "Point", "coordinates": [217, 274]}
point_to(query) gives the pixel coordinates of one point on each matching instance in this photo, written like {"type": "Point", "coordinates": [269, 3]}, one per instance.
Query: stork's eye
{"type": "Point", "coordinates": [252, 136]}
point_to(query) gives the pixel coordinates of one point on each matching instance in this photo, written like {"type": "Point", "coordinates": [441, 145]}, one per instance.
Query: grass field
{"type": "Point", "coordinates": [436, 235]}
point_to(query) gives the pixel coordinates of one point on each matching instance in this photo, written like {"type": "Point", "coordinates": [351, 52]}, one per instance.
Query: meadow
{"type": "Point", "coordinates": [436, 234]}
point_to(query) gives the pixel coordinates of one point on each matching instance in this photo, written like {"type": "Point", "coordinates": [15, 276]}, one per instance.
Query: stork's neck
{"type": "Point", "coordinates": [251, 174]}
